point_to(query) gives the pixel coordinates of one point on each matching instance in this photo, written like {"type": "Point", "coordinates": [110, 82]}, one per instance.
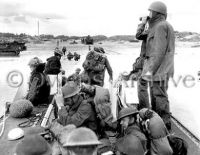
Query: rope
{"type": "Point", "coordinates": [3, 122]}
{"type": "Point", "coordinates": [32, 121]}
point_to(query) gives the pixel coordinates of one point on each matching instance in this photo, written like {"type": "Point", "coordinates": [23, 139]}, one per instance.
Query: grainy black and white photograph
{"type": "Point", "coordinates": [99, 77]}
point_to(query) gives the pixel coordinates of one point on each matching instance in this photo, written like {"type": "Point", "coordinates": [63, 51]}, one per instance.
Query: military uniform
{"type": "Point", "coordinates": [94, 66]}
{"type": "Point", "coordinates": [64, 50]}
{"type": "Point", "coordinates": [76, 56]}
{"type": "Point", "coordinates": [133, 140]}
{"type": "Point", "coordinates": [79, 114]}
{"type": "Point", "coordinates": [70, 56]}
{"type": "Point", "coordinates": [39, 86]}
{"type": "Point", "coordinates": [76, 110]}
{"type": "Point", "coordinates": [159, 62]}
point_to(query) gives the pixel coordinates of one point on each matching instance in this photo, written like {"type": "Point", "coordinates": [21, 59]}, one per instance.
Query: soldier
{"type": "Point", "coordinates": [33, 145]}
{"type": "Point", "coordinates": [64, 50]}
{"type": "Point", "coordinates": [82, 141]}
{"type": "Point", "coordinates": [94, 66]}
{"type": "Point", "coordinates": [76, 109]}
{"type": "Point", "coordinates": [159, 59]}
{"type": "Point", "coordinates": [39, 85]}
{"type": "Point", "coordinates": [75, 77]}
{"type": "Point", "coordinates": [70, 56]}
{"type": "Point", "coordinates": [135, 74]}
{"type": "Point", "coordinates": [61, 133]}
{"type": "Point", "coordinates": [76, 56]}
{"type": "Point", "coordinates": [156, 132]}
{"type": "Point", "coordinates": [53, 65]}
{"type": "Point", "coordinates": [132, 140]}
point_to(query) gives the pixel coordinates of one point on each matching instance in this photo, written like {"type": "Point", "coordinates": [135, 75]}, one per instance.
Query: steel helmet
{"type": "Point", "coordinates": [33, 144]}
{"type": "Point", "coordinates": [158, 7]}
{"type": "Point", "coordinates": [70, 89]}
{"type": "Point", "coordinates": [21, 108]}
{"type": "Point", "coordinates": [81, 137]}
{"type": "Point", "coordinates": [78, 69]}
{"type": "Point", "coordinates": [15, 134]}
{"type": "Point", "coordinates": [58, 52]}
{"type": "Point", "coordinates": [34, 61]}
{"type": "Point", "coordinates": [99, 49]}
{"type": "Point", "coordinates": [127, 112]}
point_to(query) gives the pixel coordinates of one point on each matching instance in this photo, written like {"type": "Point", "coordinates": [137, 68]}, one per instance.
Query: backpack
{"type": "Point", "coordinates": [53, 66]}
{"type": "Point", "coordinates": [103, 107]}
{"type": "Point", "coordinates": [178, 145]}
{"type": "Point", "coordinates": [94, 62]}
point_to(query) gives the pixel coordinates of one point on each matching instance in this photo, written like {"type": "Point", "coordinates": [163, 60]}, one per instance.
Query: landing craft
{"type": "Point", "coordinates": [45, 115]}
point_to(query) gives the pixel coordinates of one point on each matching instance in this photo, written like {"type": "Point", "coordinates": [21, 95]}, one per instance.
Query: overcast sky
{"type": "Point", "coordinates": [83, 17]}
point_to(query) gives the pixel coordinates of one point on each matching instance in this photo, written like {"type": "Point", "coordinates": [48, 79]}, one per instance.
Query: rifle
{"type": "Point", "coordinates": [48, 113]}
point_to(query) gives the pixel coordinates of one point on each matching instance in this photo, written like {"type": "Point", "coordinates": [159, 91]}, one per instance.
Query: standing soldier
{"type": "Point", "coordinates": [135, 74]}
{"type": "Point", "coordinates": [159, 59]}
{"type": "Point", "coordinates": [70, 56]}
{"type": "Point", "coordinates": [76, 56]}
{"type": "Point", "coordinates": [64, 50]}
{"type": "Point", "coordinates": [53, 65]}
{"type": "Point", "coordinates": [95, 65]}
{"type": "Point", "coordinates": [82, 141]}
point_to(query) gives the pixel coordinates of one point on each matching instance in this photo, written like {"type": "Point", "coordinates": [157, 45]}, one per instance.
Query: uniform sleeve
{"type": "Point", "coordinates": [109, 69]}
{"type": "Point", "coordinates": [140, 34]}
{"type": "Point", "coordinates": [33, 90]}
{"type": "Point", "coordinates": [83, 113]}
{"type": "Point", "coordinates": [159, 48]}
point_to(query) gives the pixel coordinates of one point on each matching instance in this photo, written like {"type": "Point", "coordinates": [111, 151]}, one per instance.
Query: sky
{"type": "Point", "coordinates": [93, 17]}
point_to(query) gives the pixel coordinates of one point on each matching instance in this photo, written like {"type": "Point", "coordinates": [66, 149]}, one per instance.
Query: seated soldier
{"type": "Point", "coordinates": [132, 140]}
{"type": "Point", "coordinates": [156, 132]}
{"type": "Point", "coordinates": [76, 110]}
{"type": "Point", "coordinates": [82, 141]}
{"type": "Point", "coordinates": [33, 145]}
{"type": "Point", "coordinates": [39, 85]}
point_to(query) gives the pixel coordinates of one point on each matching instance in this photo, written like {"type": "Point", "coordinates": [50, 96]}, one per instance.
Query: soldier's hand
{"type": "Point", "coordinates": [62, 115]}
{"type": "Point", "coordinates": [145, 19]}
{"type": "Point", "coordinates": [63, 72]}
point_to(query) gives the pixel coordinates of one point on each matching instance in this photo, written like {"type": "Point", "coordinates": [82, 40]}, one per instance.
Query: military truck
{"type": "Point", "coordinates": [87, 40]}
{"type": "Point", "coordinates": [11, 48]}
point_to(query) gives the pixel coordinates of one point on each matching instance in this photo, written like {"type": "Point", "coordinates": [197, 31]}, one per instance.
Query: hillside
{"type": "Point", "coordinates": [180, 36]}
